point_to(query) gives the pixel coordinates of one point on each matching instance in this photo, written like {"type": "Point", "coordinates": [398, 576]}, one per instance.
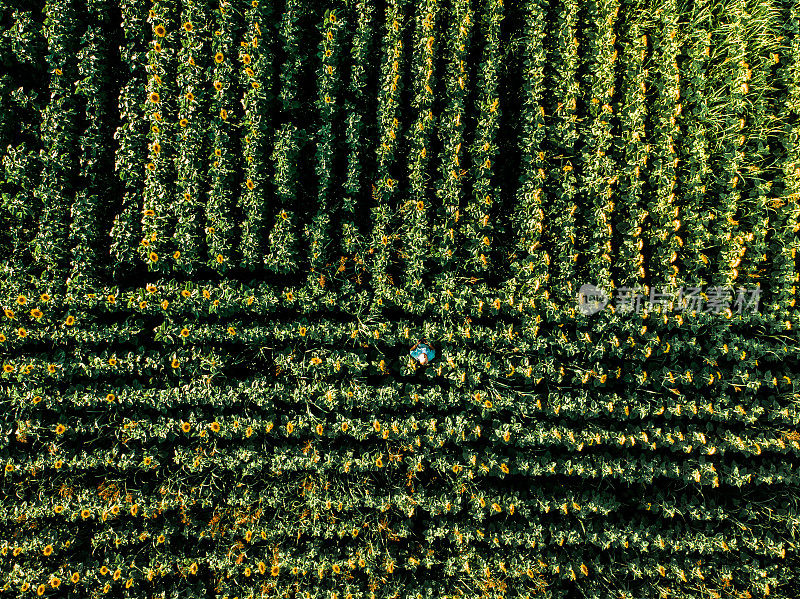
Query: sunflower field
{"type": "Point", "coordinates": [223, 225]}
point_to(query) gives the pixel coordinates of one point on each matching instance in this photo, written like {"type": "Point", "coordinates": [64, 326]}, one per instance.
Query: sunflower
{"type": "Point", "coordinates": [110, 397]}
{"type": "Point", "coordinates": [320, 429]}
{"type": "Point", "coordinates": [111, 299]}
{"type": "Point", "coordinates": [231, 331]}
{"type": "Point", "coordinates": [156, 147]}
{"type": "Point", "coordinates": [219, 57]}
{"type": "Point", "coordinates": [51, 368]}
{"type": "Point", "coordinates": [379, 463]}
{"type": "Point", "coordinates": [60, 429]}
{"type": "Point", "coordinates": [160, 539]}
{"type": "Point", "coordinates": [58, 464]}
{"type": "Point", "coordinates": [187, 26]}
{"type": "Point", "coordinates": [184, 332]}
{"type": "Point", "coordinates": [504, 468]}
{"type": "Point", "coordinates": [103, 570]}
{"type": "Point", "coordinates": [70, 320]}
{"type": "Point", "coordinates": [218, 85]}
{"type": "Point", "coordinates": [149, 213]}
{"type": "Point", "coordinates": [21, 299]}
{"type": "Point", "coordinates": [223, 114]}
{"type": "Point", "coordinates": [44, 297]}
{"type": "Point", "coordinates": [176, 255]}
{"type": "Point", "coordinates": [142, 305]}
{"type": "Point", "coordinates": [75, 577]}
{"type": "Point", "coordinates": [117, 574]}
{"type": "Point", "coordinates": [9, 467]}
{"type": "Point", "coordinates": [289, 427]}
{"type": "Point", "coordinates": [249, 431]}
{"type": "Point", "coordinates": [2, 337]}
{"type": "Point", "coordinates": [134, 509]}
{"type": "Point", "coordinates": [246, 59]}
{"type": "Point", "coordinates": [262, 567]}
{"type": "Point", "coordinates": [214, 426]}
{"type": "Point", "coordinates": [160, 31]}
{"type": "Point", "coordinates": [9, 313]}
{"type": "Point", "coordinates": [250, 184]}
{"type": "Point", "coordinates": [249, 72]}
{"type": "Point", "coordinates": [247, 572]}
{"type": "Point", "coordinates": [85, 514]}
{"type": "Point", "coordinates": [190, 97]}
{"type": "Point", "coordinates": [487, 403]}
{"type": "Point", "coordinates": [22, 332]}
{"type": "Point", "coordinates": [155, 98]}
{"type": "Point", "coordinates": [41, 589]}
{"type": "Point", "coordinates": [186, 293]}
{"type": "Point", "coordinates": [183, 122]}
{"type": "Point", "coordinates": [25, 586]}
{"type": "Point", "coordinates": [206, 294]}
{"type": "Point", "coordinates": [164, 304]}
{"type": "Point", "coordinates": [48, 549]}
{"type": "Point", "coordinates": [153, 257]}
{"type": "Point", "coordinates": [151, 166]}
{"type": "Point", "coordinates": [193, 568]}
{"type": "Point", "coordinates": [8, 368]}
{"type": "Point", "coordinates": [175, 363]}
{"type": "Point", "coordinates": [58, 509]}
{"type": "Point", "coordinates": [274, 570]}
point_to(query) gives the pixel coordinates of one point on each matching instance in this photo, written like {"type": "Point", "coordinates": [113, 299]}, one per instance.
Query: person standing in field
{"type": "Point", "coordinates": [422, 351]}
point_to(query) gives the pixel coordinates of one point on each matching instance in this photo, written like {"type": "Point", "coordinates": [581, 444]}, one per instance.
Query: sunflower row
{"type": "Point", "coordinates": [416, 210]}
{"type": "Point", "coordinates": [59, 138]}
{"type": "Point", "coordinates": [784, 265]}
{"type": "Point", "coordinates": [452, 164]}
{"type": "Point", "coordinates": [630, 262]}
{"type": "Point", "coordinates": [255, 77]}
{"type": "Point", "coordinates": [561, 184]}
{"type": "Point", "coordinates": [597, 158]}
{"type": "Point", "coordinates": [329, 85]}
{"type": "Point", "coordinates": [528, 219]}
{"type": "Point", "coordinates": [354, 101]}
{"type": "Point", "coordinates": [85, 233]}
{"type": "Point", "coordinates": [192, 63]}
{"type": "Point", "coordinates": [225, 118]}
{"type": "Point", "coordinates": [663, 211]}
{"type": "Point", "coordinates": [158, 218]}
{"type": "Point", "coordinates": [477, 230]}
{"type": "Point", "coordinates": [695, 151]}
{"type": "Point", "coordinates": [131, 135]}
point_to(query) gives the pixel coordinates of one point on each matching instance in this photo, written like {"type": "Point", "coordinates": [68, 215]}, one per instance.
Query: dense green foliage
{"type": "Point", "coordinates": [223, 226]}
